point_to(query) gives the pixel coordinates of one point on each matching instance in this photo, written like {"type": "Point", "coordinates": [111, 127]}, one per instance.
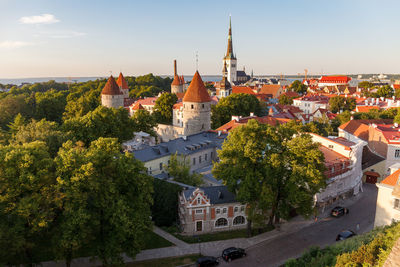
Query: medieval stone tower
{"type": "Point", "coordinates": [177, 83]}
{"type": "Point", "coordinates": [123, 85]}
{"type": "Point", "coordinates": [196, 107]}
{"type": "Point", "coordinates": [230, 58]}
{"type": "Point", "coordinates": [224, 88]}
{"type": "Point", "coordinates": [112, 96]}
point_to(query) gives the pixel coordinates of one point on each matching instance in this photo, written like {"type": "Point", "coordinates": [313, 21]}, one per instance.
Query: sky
{"type": "Point", "coordinates": [78, 38]}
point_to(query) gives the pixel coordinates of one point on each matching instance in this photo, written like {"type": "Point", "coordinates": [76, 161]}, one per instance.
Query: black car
{"type": "Point", "coordinates": [344, 235]}
{"type": "Point", "coordinates": [233, 253]}
{"type": "Point", "coordinates": [207, 261]}
{"type": "Point", "coordinates": [339, 211]}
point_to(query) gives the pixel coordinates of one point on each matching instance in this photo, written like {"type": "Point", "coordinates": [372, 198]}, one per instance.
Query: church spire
{"type": "Point", "coordinates": [229, 50]}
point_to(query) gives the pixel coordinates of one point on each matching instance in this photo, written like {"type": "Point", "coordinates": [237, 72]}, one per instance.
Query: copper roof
{"type": "Point", "coordinates": [122, 82]}
{"type": "Point", "coordinates": [196, 91]}
{"type": "Point", "coordinates": [111, 87]}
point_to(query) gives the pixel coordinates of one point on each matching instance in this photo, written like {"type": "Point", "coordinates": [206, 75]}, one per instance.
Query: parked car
{"type": "Point", "coordinates": [344, 235]}
{"type": "Point", "coordinates": [207, 261]}
{"type": "Point", "coordinates": [233, 253]}
{"type": "Point", "coordinates": [339, 211]}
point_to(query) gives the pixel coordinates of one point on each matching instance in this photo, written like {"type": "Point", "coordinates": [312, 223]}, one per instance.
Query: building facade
{"type": "Point", "coordinates": [210, 209]}
{"type": "Point", "coordinates": [177, 85]}
{"type": "Point", "coordinates": [230, 59]}
{"type": "Point", "coordinates": [111, 95]}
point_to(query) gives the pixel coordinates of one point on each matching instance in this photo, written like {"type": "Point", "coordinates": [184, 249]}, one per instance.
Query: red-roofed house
{"type": "Point", "coordinates": [343, 168]}
{"type": "Point", "coordinates": [333, 80]}
{"type": "Point", "coordinates": [366, 108]}
{"type": "Point", "coordinates": [388, 200]}
{"type": "Point", "coordinates": [310, 103]}
{"type": "Point", "coordinates": [147, 103]}
{"type": "Point", "coordinates": [239, 120]}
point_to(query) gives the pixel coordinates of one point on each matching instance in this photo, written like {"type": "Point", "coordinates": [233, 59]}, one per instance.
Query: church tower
{"type": "Point", "coordinates": [177, 83]}
{"type": "Point", "coordinates": [230, 58]}
{"type": "Point", "coordinates": [196, 107]}
{"type": "Point", "coordinates": [224, 88]}
{"type": "Point", "coordinates": [123, 85]}
{"type": "Point", "coordinates": [112, 96]}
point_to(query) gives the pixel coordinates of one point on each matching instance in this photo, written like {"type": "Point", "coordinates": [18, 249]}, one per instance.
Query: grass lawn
{"type": "Point", "coordinates": [215, 236]}
{"type": "Point", "coordinates": [168, 262]}
{"type": "Point", "coordinates": [155, 241]}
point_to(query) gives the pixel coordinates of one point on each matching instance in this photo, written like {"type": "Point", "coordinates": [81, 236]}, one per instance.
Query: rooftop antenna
{"type": "Point", "coordinates": [197, 60]}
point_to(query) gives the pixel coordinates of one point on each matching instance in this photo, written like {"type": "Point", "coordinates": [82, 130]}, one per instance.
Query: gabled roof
{"type": "Point", "coordinates": [360, 128]}
{"type": "Point", "coordinates": [243, 121]}
{"type": "Point", "coordinates": [122, 82]}
{"type": "Point", "coordinates": [369, 158]}
{"type": "Point", "coordinates": [290, 94]}
{"type": "Point", "coordinates": [137, 106]}
{"type": "Point", "coordinates": [242, 90]}
{"type": "Point", "coordinates": [196, 91]}
{"type": "Point", "coordinates": [177, 80]}
{"type": "Point", "coordinates": [111, 87]}
{"type": "Point", "coordinates": [366, 108]}
{"type": "Point", "coordinates": [334, 79]}
{"type": "Point", "coordinates": [271, 89]}
{"type": "Point", "coordinates": [148, 101]}
{"type": "Point", "coordinates": [392, 179]}
{"type": "Point", "coordinates": [216, 194]}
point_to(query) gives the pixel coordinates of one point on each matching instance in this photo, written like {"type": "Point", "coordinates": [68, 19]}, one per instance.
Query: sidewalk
{"type": "Point", "coordinates": [214, 248]}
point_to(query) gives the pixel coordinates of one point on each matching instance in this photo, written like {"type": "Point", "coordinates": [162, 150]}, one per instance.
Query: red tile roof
{"type": "Point", "coordinates": [196, 91]}
{"type": "Point", "coordinates": [360, 128]}
{"type": "Point", "coordinates": [391, 133]}
{"type": "Point", "coordinates": [111, 87]}
{"type": "Point", "coordinates": [177, 105]}
{"type": "Point", "coordinates": [391, 179]}
{"type": "Point", "coordinates": [122, 82]}
{"type": "Point", "coordinates": [180, 95]}
{"type": "Point", "coordinates": [396, 86]}
{"type": "Point", "coordinates": [242, 89]}
{"type": "Point", "coordinates": [149, 101]}
{"type": "Point", "coordinates": [177, 80]}
{"type": "Point", "coordinates": [137, 106]}
{"type": "Point", "coordinates": [270, 89]}
{"type": "Point", "coordinates": [290, 94]}
{"type": "Point", "coordinates": [242, 121]}
{"type": "Point", "coordinates": [366, 108]}
{"type": "Point", "coordinates": [334, 79]}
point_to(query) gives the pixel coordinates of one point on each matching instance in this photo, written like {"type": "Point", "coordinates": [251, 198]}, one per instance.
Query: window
{"type": "Point", "coordinates": [236, 209]}
{"type": "Point", "coordinates": [198, 201]}
{"type": "Point", "coordinates": [221, 222]}
{"type": "Point", "coordinates": [224, 210]}
{"type": "Point", "coordinates": [160, 166]}
{"type": "Point", "coordinates": [212, 154]}
{"type": "Point", "coordinates": [242, 208]}
{"type": "Point", "coordinates": [202, 105]}
{"type": "Point", "coordinates": [239, 220]}
{"type": "Point", "coordinates": [199, 159]}
{"type": "Point", "coordinates": [397, 204]}
{"type": "Point", "coordinates": [199, 211]}
{"type": "Point", "coordinates": [218, 211]}
{"type": "Point", "coordinates": [192, 107]}
{"type": "Point", "coordinates": [205, 157]}
{"type": "Point", "coordinates": [397, 153]}
{"type": "Point", "coordinates": [194, 161]}
{"type": "Point", "coordinates": [149, 170]}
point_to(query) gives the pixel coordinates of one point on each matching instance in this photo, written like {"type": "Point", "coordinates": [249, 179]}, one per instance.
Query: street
{"type": "Point", "coordinates": [322, 233]}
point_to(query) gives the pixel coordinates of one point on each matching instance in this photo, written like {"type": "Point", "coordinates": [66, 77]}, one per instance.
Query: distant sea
{"type": "Point", "coordinates": [19, 81]}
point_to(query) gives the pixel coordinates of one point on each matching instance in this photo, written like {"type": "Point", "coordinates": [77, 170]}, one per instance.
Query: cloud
{"type": "Point", "coordinates": [13, 44]}
{"type": "Point", "coordinates": [42, 19]}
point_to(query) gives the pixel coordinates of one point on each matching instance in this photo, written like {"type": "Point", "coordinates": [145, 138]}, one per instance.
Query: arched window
{"type": "Point", "coordinates": [238, 220]}
{"type": "Point", "coordinates": [221, 222]}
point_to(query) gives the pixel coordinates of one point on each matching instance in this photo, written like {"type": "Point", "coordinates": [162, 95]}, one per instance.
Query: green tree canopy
{"type": "Point", "coordinates": [163, 108]}
{"type": "Point", "coordinates": [179, 169]}
{"type": "Point", "coordinates": [299, 87]}
{"type": "Point", "coordinates": [106, 200]}
{"type": "Point", "coordinates": [272, 169]}
{"type": "Point", "coordinates": [285, 100]}
{"type": "Point", "coordinates": [144, 121]}
{"type": "Point", "coordinates": [102, 122]}
{"type": "Point", "coordinates": [365, 84]}
{"type": "Point", "coordinates": [385, 91]}
{"type": "Point", "coordinates": [338, 103]}
{"type": "Point", "coordinates": [50, 105]}
{"type": "Point", "coordinates": [234, 105]}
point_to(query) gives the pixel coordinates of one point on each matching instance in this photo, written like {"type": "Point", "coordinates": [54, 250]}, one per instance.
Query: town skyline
{"type": "Point", "coordinates": [49, 39]}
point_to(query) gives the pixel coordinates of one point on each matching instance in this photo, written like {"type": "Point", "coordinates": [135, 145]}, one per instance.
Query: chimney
{"type": "Point", "coordinates": [351, 118]}
{"type": "Point", "coordinates": [175, 72]}
{"type": "Point", "coordinates": [251, 114]}
{"type": "Point", "coordinates": [236, 118]}
{"type": "Point", "coordinates": [219, 133]}
{"type": "Point", "coordinates": [396, 125]}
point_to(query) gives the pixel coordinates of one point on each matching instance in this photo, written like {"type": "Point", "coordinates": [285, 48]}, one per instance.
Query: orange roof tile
{"type": "Point", "coordinates": [196, 91]}
{"type": "Point", "coordinates": [122, 82]}
{"type": "Point", "coordinates": [391, 179]}
{"type": "Point", "coordinates": [137, 106]}
{"type": "Point", "coordinates": [334, 79]}
{"type": "Point", "coordinates": [180, 95]}
{"type": "Point", "coordinates": [111, 87]}
{"type": "Point", "coordinates": [176, 81]}
{"type": "Point", "coordinates": [366, 108]}
{"type": "Point", "coordinates": [242, 90]}
{"type": "Point", "coordinates": [270, 89]}
{"type": "Point", "coordinates": [242, 121]}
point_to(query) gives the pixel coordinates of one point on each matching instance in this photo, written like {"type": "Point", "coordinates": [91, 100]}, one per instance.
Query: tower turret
{"type": "Point", "coordinates": [224, 87]}
{"type": "Point", "coordinates": [123, 85]}
{"type": "Point", "coordinates": [196, 107]}
{"type": "Point", "coordinates": [111, 95]}
{"type": "Point", "coordinates": [177, 83]}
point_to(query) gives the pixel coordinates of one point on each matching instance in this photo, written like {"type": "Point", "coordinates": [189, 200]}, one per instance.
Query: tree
{"type": "Point", "coordinates": [234, 105]}
{"type": "Point", "coordinates": [179, 169]}
{"type": "Point", "coordinates": [163, 108]}
{"type": "Point", "coordinates": [365, 85]}
{"type": "Point", "coordinates": [102, 122]}
{"type": "Point", "coordinates": [10, 106]}
{"type": "Point", "coordinates": [27, 198]}
{"type": "Point", "coordinates": [50, 105]}
{"type": "Point", "coordinates": [19, 121]}
{"type": "Point", "coordinates": [106, 198]}
{"type": "Point", "coordinates": [144, 121]}
{"type": "Point", "coordinates": [46, 131]}
{"type": "Point", "coordinates": [339, 103]}
{"type": "Point", "coordinates": [285, 100]}
{"type": "Point", "coordinates": [272, 169]}
{"type": "Point", "coordinates": [385, 91]}
{"type": "Point", "coordinates": [298, 87]}
{"type": "Point", "coordinates": [164, 211]}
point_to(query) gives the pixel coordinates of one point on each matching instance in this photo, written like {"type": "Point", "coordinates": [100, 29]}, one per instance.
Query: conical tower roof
{"type": "Point", "coordinates": [111, 87]}
{"type": "Point", "coordinates": [122, 82]}
{"type": "Point", "coordinates": [196, 91]}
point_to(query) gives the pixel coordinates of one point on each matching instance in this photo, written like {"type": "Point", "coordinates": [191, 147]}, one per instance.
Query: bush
{"type": "Point", "coordinates": [165, 207]}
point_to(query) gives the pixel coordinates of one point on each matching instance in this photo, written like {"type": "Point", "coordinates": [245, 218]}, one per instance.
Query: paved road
{"type": "Point", "coordinates": [276, 251]}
